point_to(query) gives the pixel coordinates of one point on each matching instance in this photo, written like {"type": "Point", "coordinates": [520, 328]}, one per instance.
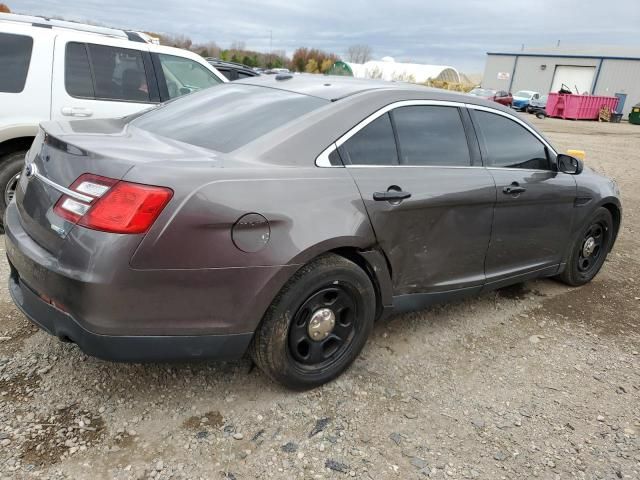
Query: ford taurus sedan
{"type": "Point", "coordinates": [283, 215]}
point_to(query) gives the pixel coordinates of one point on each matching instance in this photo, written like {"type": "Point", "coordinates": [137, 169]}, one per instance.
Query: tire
{"type": "Point", "coordinates": [583, 266]}
{"type": "Point", "coordinates": [10, 166]}
{"type": "Point", "coordinates": [282, 346]}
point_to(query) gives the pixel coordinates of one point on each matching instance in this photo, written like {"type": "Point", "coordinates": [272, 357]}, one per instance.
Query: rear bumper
{"type": "Point", "coordinates": [123, 348]}
{"type": "Point", "coordinates": [89, 294]}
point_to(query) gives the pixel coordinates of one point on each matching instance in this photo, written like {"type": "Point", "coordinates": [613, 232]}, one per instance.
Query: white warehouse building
{"type": "Point", "coordinates": [607, 71]}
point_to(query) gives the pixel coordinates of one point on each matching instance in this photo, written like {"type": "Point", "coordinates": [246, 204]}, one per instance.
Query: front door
{"type": "Point", "coordinates": [430, 207]}
{"type": "Point", "coordinates": [534, 209]}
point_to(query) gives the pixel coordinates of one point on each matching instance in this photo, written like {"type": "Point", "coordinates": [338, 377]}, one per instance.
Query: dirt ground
{"type": "Point", "coordinates": [533, 381]}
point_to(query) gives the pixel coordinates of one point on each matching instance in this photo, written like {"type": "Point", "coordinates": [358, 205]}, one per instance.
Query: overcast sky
{"type": "Point", "coordinates": [451, 32]}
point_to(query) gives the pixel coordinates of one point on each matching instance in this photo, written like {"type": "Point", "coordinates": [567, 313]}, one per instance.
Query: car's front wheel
{"type": "Point", "coordinates": [590, 249]}
{"type": "Point", "coordinates": [317, 325]}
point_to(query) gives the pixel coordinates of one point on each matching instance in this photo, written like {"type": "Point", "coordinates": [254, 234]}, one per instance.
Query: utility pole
{"type": "Point", "coordinates": [271, 48]}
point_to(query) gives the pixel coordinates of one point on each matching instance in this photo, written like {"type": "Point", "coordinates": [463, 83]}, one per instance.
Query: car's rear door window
{"type": "Point", "coordinates": [508, 144]}
{"type": "Point", "coordinates": [77, 72]}
{"type": "Point", "coordinates": [103, 72]}
{"type": "Point", "coordinates": [431, 136]}
{"type": "Point", "coordinates": [227, 117]}
{"type": "Point", "coordinates": [374, 144]}
{"type": "Point", "coordinates": [15, 56]}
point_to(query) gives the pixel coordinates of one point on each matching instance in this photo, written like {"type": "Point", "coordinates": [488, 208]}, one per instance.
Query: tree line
{"type": "Point", "coordinates": [310, 60]}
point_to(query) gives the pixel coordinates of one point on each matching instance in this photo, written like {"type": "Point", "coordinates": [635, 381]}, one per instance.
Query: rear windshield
{"type": "Point", "coordinates": [227, 117]}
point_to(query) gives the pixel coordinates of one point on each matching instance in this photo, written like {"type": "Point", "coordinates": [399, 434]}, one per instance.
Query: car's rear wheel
{"type": "Point", "coordinates": [590, 249]}
{"type": "Point", "coordinates": [317, 325]}
{"type": "Point", "coordinates": [10, 168]}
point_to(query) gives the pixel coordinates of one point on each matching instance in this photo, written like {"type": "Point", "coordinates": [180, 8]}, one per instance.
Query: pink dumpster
{"type": "Point", "coordinates": [578, 107]}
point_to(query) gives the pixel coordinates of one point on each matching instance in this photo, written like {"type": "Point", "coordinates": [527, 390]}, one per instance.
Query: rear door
{"type": "Point", "coordinates": [428, 198]}
{"type": "Point", "coordinates": [105, 79]}
{"type": "Point", "coordinates": [534, 209]}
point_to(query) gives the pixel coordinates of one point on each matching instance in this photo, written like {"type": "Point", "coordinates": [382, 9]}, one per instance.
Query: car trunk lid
{"type": "Point", "coordinates": [63, 151]}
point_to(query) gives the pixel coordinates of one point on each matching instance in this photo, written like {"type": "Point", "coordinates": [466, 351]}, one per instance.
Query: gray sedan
{"type": "Point", "coordinates": [283, 215]}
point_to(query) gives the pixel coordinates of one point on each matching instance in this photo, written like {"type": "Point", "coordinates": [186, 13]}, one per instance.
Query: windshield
{"type": "Point", "coordinates": [524, 94]}
{"type": "Point", "coordinates": [228, 116]}
{"type": "Point", "coordinates": [482, 92]}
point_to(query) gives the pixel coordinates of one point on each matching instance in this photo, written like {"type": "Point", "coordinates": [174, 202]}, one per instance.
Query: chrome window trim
{"type": "Point", "coordinates": [323, 159]}
{"type": "Point", "coordinates": [60, 188]}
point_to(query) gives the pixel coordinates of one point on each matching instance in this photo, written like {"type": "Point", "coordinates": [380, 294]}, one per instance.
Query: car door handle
{"type": "Point", "coordinates": [76, 112]}
{"type": "Point", "coordinates": [391, 195]}
{"type": "Point", "coordinates": [513, 189]}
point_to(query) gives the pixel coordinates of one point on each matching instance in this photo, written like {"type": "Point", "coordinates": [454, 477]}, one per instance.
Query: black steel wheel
{"type": "Point", "coordinates": [590, 249]}
{"type": "Point", "coordinates": [592, 243]}
{"type": "Point", "coordinates": [317, 325]}
{"type": "Point", "coordinates": [324, 326]}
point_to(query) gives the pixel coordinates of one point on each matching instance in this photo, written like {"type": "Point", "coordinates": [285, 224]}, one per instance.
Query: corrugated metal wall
{"type": "Point", "coordinates": [620, 76]}
{"type": "Point", "coordinates": [531, 75]}
{"type": "Point", "coordinates": [616, 76]}
{"type": "Point", "coordinates": [498, 64]}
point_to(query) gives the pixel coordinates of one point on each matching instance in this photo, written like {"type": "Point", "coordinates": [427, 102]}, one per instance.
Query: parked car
{"type": "Point", "coordinates": [522, 98]}
{"type": "Point", "coordinates": [53, 70]}
{"type": "Point", "coordinates": [285, 214]}
{"type": "Point", "coordinates": [500, 96]}
{"type": "Point", "coordinates": [231, 70]}
{"type": "Point", "coordinates": [538, 106]}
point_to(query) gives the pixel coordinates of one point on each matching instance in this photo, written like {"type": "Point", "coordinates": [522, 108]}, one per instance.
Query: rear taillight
{"type": "Point", "coordinates": [113, 206]}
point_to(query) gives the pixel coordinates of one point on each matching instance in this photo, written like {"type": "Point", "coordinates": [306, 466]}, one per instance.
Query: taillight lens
{"type": "Point", "coordinates": [112, 205]}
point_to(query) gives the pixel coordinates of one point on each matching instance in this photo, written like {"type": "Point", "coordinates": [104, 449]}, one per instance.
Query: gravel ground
{"type": "Point", "coordinates": [536, 380]}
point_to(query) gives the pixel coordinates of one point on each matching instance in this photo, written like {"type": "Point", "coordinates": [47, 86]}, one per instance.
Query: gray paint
{"type": "Point", "coordinates": [620, 76]}
{"type": "Point", "coordinates": [186, 276]}
{"type": "Point", "coordinates": [613, 75]}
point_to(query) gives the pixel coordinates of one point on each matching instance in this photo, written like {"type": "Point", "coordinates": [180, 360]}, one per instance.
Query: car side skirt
{"type": "Point", "coordinates": [418, 301]}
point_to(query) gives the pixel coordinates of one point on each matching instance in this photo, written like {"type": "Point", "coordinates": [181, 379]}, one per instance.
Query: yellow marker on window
{"type": "Point", "coordinates": [577, 154]}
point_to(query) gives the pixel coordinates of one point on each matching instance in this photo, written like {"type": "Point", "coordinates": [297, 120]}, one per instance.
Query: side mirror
{"type": "Point", "coordinates": [569, 164]}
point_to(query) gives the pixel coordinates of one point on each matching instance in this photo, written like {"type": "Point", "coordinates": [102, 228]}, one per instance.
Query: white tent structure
{"type": "Point", "coordinates": [390, 70]}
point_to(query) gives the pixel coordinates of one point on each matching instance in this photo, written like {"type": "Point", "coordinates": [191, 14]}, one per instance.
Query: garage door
{"type": "Point", "coordinates": [578, 79]}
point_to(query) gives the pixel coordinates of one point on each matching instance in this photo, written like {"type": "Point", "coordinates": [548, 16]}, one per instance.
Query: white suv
{"type": "Point", "coordinates": [52, 69]}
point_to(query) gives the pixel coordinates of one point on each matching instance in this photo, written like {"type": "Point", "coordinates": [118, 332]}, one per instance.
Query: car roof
{"type": "Point", "coordinates": [333, 87]}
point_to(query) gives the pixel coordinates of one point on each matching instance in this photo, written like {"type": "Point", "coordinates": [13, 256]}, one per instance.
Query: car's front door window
{"type": "Point", "coordinates": [510, 145]}
{"type": "Point", "coordinates": [185, 76]}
